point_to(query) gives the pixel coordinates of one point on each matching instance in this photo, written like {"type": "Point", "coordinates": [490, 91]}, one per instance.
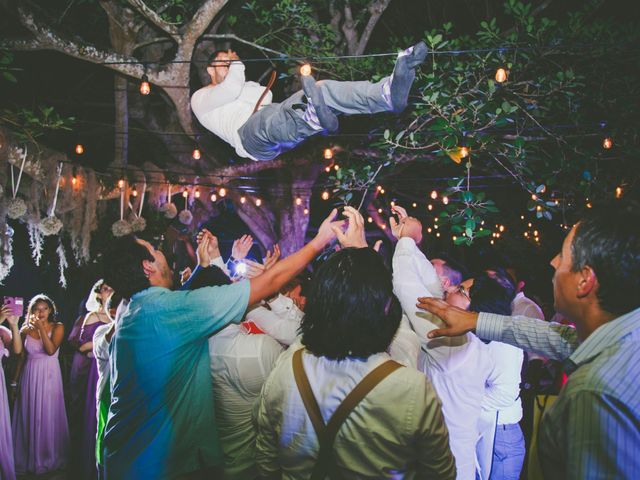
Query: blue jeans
{"type": "Point", "coordinates": [508, 453]}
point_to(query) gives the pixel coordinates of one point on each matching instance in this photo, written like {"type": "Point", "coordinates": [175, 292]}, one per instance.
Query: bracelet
{"type": "Point", "coordinates": [13, 384]}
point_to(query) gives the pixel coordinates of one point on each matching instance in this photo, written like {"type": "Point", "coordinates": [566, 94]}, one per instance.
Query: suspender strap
{"type": "Point", "coordinates": [272, 80]}
{"type": "Point", "coordinates": [327, 434]}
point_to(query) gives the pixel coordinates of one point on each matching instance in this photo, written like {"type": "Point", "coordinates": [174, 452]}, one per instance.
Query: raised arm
{"type": "Point", "coordinates": [209, 98]}
{"type": "Point", "coordinates": [14, 341]}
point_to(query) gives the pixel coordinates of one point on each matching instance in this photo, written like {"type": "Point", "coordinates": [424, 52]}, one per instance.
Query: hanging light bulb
{"type": "Point", "coordinates": [434, 195]}
{"type": "Point", "coordinates": [214, 197]}
{"type": "Point", "coordinates": [619, 192]}
{"type": "Point", "coordinates": [222, 192]}
{"type": "Point", "coordinates": [501, 228]}
{"type": "Point", "coordinates": [501, 75]}
{"type": "Point", "coordinates": [327, 169]}
{"type": "Point", "coordinates": [414, 204]}
{"type": "Point", "coordinates": [526, 234]}
{"type": "Point", "coordinates": [534, 196]}
{"type": "Point", "coordinates": [607, 143]}
{"type": "Point", "coordinates": [196, 154]}
{"type": "Point", "coordinates": [298, 201]}
{"type": "Point", "coordinates": [535, 233]}
{"type": "Point", "coordinates": [305, 70]}
{"type": "Point", "coordinates": [74, 178]}
{"type": "Point", "coordinates": [454, 238]}
{"type": "Point", "coordinates": [464, 152]}
{"type": "Point", "coordinates": [492, 242]}
{"type": "Point", "coordinates": [383, 226]}
{"type": "Point", "coordinates": [328, 153]}
{"type": "Point", "coordinates": [134, 191]}
{"type": "Point", "coordinates": [79, 149]}
{"type": "Point", "coordinates": [521, 217]}
{"type": "Point", "coordinates": [379, 187]}
{"type": "Point", "coordinates": [145, 87]}
{"type": "Point", "coordinates": [429, 207]}
{"type": "Point", "coordinates": [258, 202]}
{"type": "Point", "coordinates": [243, 199]}
{"type": "Point", "coordinates": [379, 210]}
{"type": "Point", "coordinates": [185, 193]}
{"type": "Point", "coordinates": [369, 219]}
{"type": "Point", "coordinates": [538, 208]}
{"type": "Point", "coordinates": [393, 204]}
{"type": "Point", "coordinates": [336, 167]}
{"type": "Point", "coordinates": [589, 205]}
{"type": "Point", "coordinates": [197, 193]}
{"type": "Point", "coordinates": [306, 211]}
{"type": "Point", "coordinates": [325, 195]}
{"type": "Point", "coordinates": [382, 191]}
{"type": "Point", "coordinates": [121, 183]}
{"type": "Point", "coordinates": [429, 230]}
{"type": "Point", "coordinates": [445, 200]}
{"type": "Point", "coordinates": [438, 234]}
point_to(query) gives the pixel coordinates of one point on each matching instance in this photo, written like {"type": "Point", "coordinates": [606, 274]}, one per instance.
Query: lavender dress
{"type": "Point", "coordinates": [7, 468]}
{"type": "Point", "coordinates": [40, 431]}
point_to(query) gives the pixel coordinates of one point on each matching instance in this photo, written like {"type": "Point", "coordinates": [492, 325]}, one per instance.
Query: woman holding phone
{"type": "Point", "coordinates": [40, 431]}
{"type": "Point", "coordinates": [9, 339]}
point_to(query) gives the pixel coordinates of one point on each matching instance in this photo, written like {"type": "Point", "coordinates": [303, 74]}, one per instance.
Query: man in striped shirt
{"type": "Point", "coordinates": [593, 429]}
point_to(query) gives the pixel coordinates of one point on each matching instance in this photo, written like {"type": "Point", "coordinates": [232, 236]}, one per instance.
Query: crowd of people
{"type": "Point", "coordinates": [358, 372]}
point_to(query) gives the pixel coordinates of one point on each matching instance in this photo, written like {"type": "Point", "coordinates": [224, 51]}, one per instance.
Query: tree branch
{"type": "Point", "coordinates": [376, 9]}
{"type": "Point", "coordinates": [231, 36]}
{"type": "Point", "coordinates": [198, 25]}
{"type": "Point", "coordinates": [154, 18]}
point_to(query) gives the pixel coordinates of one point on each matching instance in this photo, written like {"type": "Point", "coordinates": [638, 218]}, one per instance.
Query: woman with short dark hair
{"type": "Point", "coordinates": [393, 429]}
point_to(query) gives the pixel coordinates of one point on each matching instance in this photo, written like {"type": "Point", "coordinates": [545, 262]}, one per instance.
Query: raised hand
{"type": "Point", "coordinates": [354, 236]}
{"type": "Point", "coordinates": [271, 258]}
{"type": "Point", "coordinates": [202, 253]}
{"type": "Point", "coordinates": [241, 247]}
{"type": "Point", "coordinates": [184, 275]}
{"type": "Point", "coordinates": [377, 245]}
{"type": "Point", "coordinates": [213, 248]}
{"type": "Point", "coordinates": [325, 231]}
{"type": "Point", "coordinates": [254, 269]}
{"type": "Point", "coordinates": [458, 321]}
{"type": "Point", "coordinates": [406, 226]}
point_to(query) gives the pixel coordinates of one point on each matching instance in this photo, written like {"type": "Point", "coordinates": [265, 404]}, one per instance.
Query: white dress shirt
{"type": "Point", "coordinates": [397, 431]}
{"type": "Point", "coordinates": [459, 367]}
{"type": "Point", "coordinates": [224, 108]}
{"type": "Point", "coordinates": [240, 364]}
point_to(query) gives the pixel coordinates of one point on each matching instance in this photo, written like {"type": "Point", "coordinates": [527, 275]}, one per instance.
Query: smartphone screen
{"type": "Point", "coordinates": [15, 304]}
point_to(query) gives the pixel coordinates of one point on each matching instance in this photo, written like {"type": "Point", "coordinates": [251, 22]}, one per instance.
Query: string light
{"type": "Point", "coordinates": [258, 202]}
{"type": "Point", "coordinates": [306, 211]}
{"type": "Point", "coordinates": [464, 152]}
{"type": "Point", "coordinates": [538, 208]}
{"type": "Point", "coordinates": [197, 193]}
{"type": "Point", "coordinates": [327, 169]}
{"type": "Point", "coordinates": [214, 197]}
{"type": "Point", "coordinates": [429, 230]}
{"type": "Point", "coordinates": [328, 153]}
{"type": "Point", "coordinates": [121, 183]}
{"type": "Point", "coordinates": [243, 199]}
{"type": "Point", "coordinates": [535, 233]}
{"type": "Point", "coordinates": [526, 234]}
{"type": "Point", "coordinates": [74, 178]}
{"type": "Point", "coordinates": [501, 75]}
{"type": "Point", "coordinates": [501, 228]}
{"type": "Point", "coordinates": [607, 143]}
{"type": "Point", "coordinates": [222, 192]}
{"type": "Point", "coordinates": [383, 226]}
{"type": "Point", "coordinates": [145, 88]}
{"type": "Point", "coordinates": [521, 217]}
{"type": "Point", "coordinates": [414, 204]}
{"type": "Point", "coordinates": [434, 195]}
{"type": "Point", "coordinates": [429, 207]}
{"type": "Point", "coordinates": [589, 205]}
{"type": "Point", "coordinates": [369, 219]}
{"type": "Point", "coordinates": [393, 204]}
{"type": "Point", "coordinates": [134, 191]}
{"type": "Point", "coordinates": [325, 195]}
{"type": "Point", "coordinates": [445, 200]}
{"type": "Point", "coordinates": [454, 238]}
{"type": "Point", "coordinates": [438, 234]}
{"type": "Point", "coordinates": [379, 187]}
{"type": "Point", "coordinates": [196, 154]}
{"type": "Point", "coordinates": [336, 167]}
{"type": "Point", "coordinates": [492, 242]}
{"type": "Point", "coordinates": [382, 191]}
{"type": "Point", "coordinates": [305, 70]}
{"type": "Point", "coordinates": [619, 192]}
{"type": "Point", "coordinates": [534, 196]}
{"type": "Point", "coordinates": [298, 201]}
{"type": "Point", "coordinates": [435, 226]}
{"type": "Point", "coordinates": [79, 149]}
{"type": "Point", "coordinates": [379, 210]}
{"type": "Point", "coordinates": [185, 193]}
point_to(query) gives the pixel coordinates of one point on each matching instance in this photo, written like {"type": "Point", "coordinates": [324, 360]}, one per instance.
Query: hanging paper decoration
{"type": "Point", "coordinates": [186, 217]}
{"type": "Point", "coordinates": [6, 252]}
{"type": "Point", "coordinates": [121, 227]}
{"type": "Point", "coordinates": [169, 209]}
{"type": "Point", "coordinates": [35, 241]}
{"type": "Point", "coordinates": [52, 225]}
{"type": "Point", "coordinates": [16, 207]}
{"type": "Point", "coordinates": [62, 264]}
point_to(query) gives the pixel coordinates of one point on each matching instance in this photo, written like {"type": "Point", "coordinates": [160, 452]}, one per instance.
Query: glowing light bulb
{"type": "Point", "coordinates": [222, 192]}
{"type": "Point", "coordinates": [325, 195]}
{"type": "Point", "coordinates": [79, 149]}
{"type": "Point", "coordinates": [434, 195]}
{"type": "Point", "coordinates": [429, 230]}
{"type": "Point", "coordinates": [197, 193]}
{"type": "Point", "coordinates": [501, 228]}
{"type": "Point", "coordinates": [336, 167]}
{"type": "Point", "coordinates": [438, 234]}
{"type": "Point", "coordinates": [435, 226]}
{"type": "Point", "coordinates": [454, 238]}
{"type": "Point", "coordinates": [369, 219]}
{"type": "Point", "coordinates": [185, 194]}
{"type": "Point", "coordinates": [243, 199]}
{"type": "Point", "coordinates": [393, 204]}
{"type": "Point", "coordinates": [145, 87]}
{"type": "Point", "coordinates": [196, 154]}
{"type": "Point", "coordinates": [607, 143]}
{"type": "Point", "coordinates": [619, 192]}
{"type": "Point", "coordinates": [445, 200]}
{"type": "Point", "coordinates": [214, 197]}
{"type": "Point", "coordinates": [492, 242]}
{"type": "Point", "coordinates": [464, 152]}
{"type": "Point", "coordinates": [298, 201]}
{"type": "Point", "coordinates": [529, 225]}
{"type": "Point", "coordinates": [328, 153]}
{"type": "Point", "coordinates": [501, 75]}
{"type": "Point", "coordinates": [306, 211]}
{"type": "Point", "coordinates": [538, 208]}
{"type": "Point", "coordinates": [557, 202]}
{"type": "Point", "coordinates": [121, 183]}
{"type": "Point", "coordinates": [382, 191]}
{"type": "Point", "coordinates": [535, 233]}
{"type": "Point", "coordinates": [429, 207]}
{"type": "Point", "coordinates": [521, 217]}
{"type": "Point", "coordinates": [383, 226]}
{"type": "Point", "coordinates": [589, 205]}
{"type": "Point", "coordinates": [134, 191]}
{"type": "Point", "coordinates": [379, 210]}
{"type": "Point", "coordinates": [305, 70]}
{"type": "Point", "coordinates": [414, 204]}
{"type": "Point", "coordinates": [327, 169]}
{"type": "Point", "coordinates": [258, 202]}
{"type": "Point", "coordinates": [379, 187]}
{"type": "Point", "coordinates": [74, 180]}
{"type": "Point", "coordinates": [534, 196]}
{"type": "Point", "coordinates": [526, 234]}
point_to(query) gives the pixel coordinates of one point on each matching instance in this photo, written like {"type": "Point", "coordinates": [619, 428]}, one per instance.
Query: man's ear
{"type": "Point", "coordinates": [211, 71]}
{"type": "Point", "coordinates": [587, 282]}
{"type": "Point", "coordinates": [149, 267]}
{"type": "Point", "coordinates": [520, 286]}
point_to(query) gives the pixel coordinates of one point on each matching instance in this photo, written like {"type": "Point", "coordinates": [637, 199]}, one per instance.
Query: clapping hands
{"type": "Point", "coordinates": [241, 247]}
{"type": "Point", "coordinates": [255, 268]}
{"type": "Point", "coordinates": [207, 248]}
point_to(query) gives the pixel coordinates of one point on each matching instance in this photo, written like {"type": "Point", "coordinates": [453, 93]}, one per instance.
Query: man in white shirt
{"type": "Point", "coordinates": [227, 107]}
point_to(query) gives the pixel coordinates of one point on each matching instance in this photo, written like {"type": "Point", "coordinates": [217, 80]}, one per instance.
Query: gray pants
{"type": "Point", "coordinates": [279, 127]}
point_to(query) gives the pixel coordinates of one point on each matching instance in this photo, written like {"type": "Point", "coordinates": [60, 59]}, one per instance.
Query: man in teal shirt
{"type": "Point", "coordinates": [161, 420]}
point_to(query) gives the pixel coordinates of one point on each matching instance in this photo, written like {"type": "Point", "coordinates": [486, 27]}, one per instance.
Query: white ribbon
{"type": "Point", "coordinates": [144, 189]}
{"type": "Point", "coordinates": [122, 190]}
{"type": "Point", "coordinates": [16, 185]}
{"type": "Point", "coordinates": [169, 194]}
{"type": "Point", "coordinates": [52, 212]}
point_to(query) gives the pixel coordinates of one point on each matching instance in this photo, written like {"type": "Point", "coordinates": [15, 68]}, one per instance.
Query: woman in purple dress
{"type": "Point", "coordinates": [97, 315]}
{"type": "Point", "coordinates": [40, 431]}
{"type": "Point", "coordinates": [9, 338]}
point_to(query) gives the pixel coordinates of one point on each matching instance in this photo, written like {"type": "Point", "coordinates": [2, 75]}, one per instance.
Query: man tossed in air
{"type": "Point", "coordinates": [226, 106]}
